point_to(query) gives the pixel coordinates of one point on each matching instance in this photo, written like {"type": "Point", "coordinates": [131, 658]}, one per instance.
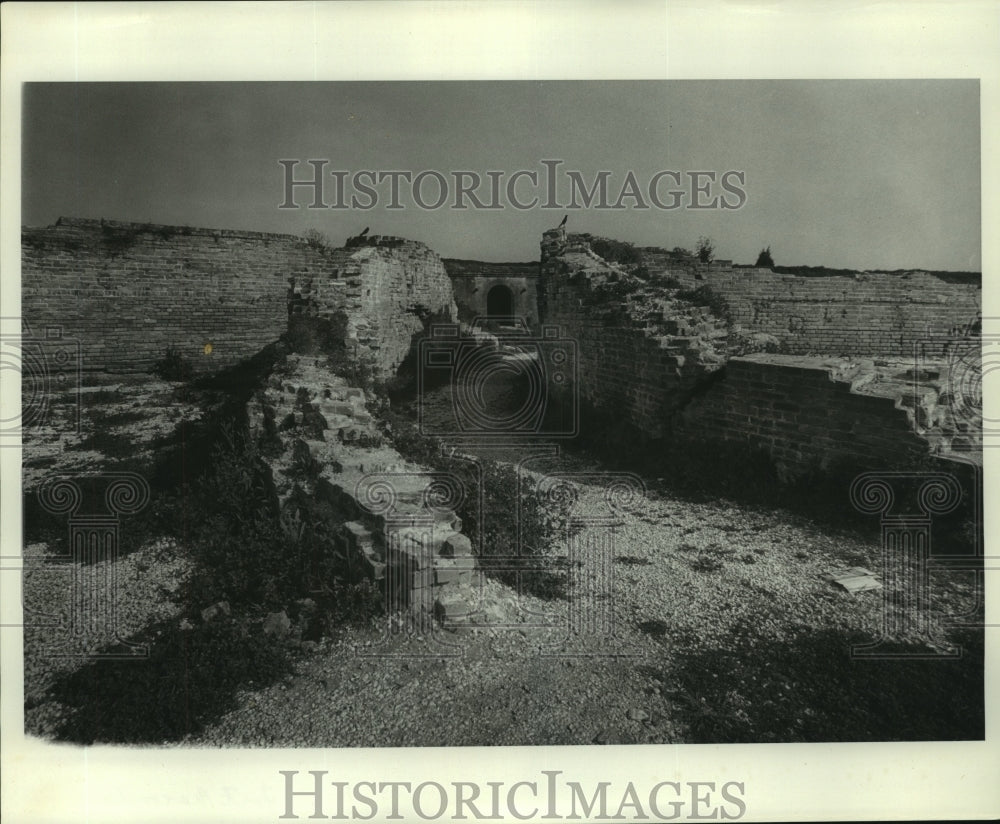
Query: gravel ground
{"type": "Point", "coordinates": [723, 629]}
{"type": "Point", "coordinates": [148, 585]}
{"type": "Point", "coordinates": [122, 414]}
{"type": "Point", "coordinates": [522, 685]}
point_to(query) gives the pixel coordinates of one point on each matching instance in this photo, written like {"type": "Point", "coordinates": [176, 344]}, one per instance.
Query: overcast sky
{"type": "Point", "coordinates": [859, 174]}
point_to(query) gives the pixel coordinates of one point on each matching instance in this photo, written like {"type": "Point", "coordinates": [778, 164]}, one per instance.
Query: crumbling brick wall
{"type": "Point", "coordinates": [642, 361]}
{"type": "Point", "coordinates": [662, 375]}
{"type": "Point", "coordinates": [128, 292]}
{"type": "Point", "coordinates": [865, 313]}
{"type": "Point", "coordinates": [804, 413]}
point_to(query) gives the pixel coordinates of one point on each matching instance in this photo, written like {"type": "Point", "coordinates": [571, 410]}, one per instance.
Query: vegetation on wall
{"type": "Point", "coordinates": [705, 249]}
{"type": "Point", "coordinates": [514, 527]}
{"type": "Point", "coordinates": [764, 259]}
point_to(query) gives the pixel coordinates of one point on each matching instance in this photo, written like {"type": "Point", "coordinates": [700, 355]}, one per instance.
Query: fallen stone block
{"type": "Point", "coordinates": [338, 408]}
{"type": "Point", "coordinates": [456, 545]}
{"type": "Point", "coordinates": [447, 571]}
{"type": "Point", "coordinates": [855, 579]}
{"type": "Point", "coordinates": [277, 624]}
{"type": "Point", "coordinates": [451, 608]}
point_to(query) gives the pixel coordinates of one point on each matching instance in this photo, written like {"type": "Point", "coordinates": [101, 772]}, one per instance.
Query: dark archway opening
{"type": "Point", "coordinates": [500, 302]}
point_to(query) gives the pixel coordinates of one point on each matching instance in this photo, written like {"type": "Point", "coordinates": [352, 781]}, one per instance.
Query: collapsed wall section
{"type": "Point", "coordinates": [402, 285]}
{"type": "Point", "coordinates": [681, 372]}
{"type": "Point", "coordinates": [353, 499]}
{"type": "Point", "coordinates": [640, 352]}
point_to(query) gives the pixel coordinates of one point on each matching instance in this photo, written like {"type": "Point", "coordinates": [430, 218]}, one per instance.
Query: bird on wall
{"type": "Point", "coordinates": [565, 218]}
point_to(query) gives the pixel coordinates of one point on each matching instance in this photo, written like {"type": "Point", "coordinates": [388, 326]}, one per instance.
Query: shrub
{"type": "Point", "coordinates": [173, 366]}
{"type": "Point", "coordinates": [240, 551]}
{"type": "Point", "coordinates": [316, 239]}
{"type": "Point", "coordinates": [764, 259]}
{"type": "Point", "coordinates": [706, 296]}
{"type": "Point", "coordinates": [612, 291]}
{"type": "Point", "coordinates": [312, 335]}
{"type": "Point", "coordinates": [515, 527]}
{"type": "Point", "coordinates": [614, 251]}
{"type": "Point", "coordinates": [705, 249]}
{"type": "Point", "coordinates": [517, 530]}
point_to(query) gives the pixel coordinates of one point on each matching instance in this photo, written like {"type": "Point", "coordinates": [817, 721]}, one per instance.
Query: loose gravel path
{"type": "Point", "coordinates": [687, 578]}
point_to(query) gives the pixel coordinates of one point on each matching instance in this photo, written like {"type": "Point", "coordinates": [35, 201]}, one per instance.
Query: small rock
{"type": "Point", "coordinates": [305, 607]}
{"type": "Point", "coordinates": [636, 714]}
{"type": "Point", "coordinates": [185, 625]}
{"type": "Point", "coordinates": [607, 737]}
{"type": "Point", "coordinates": [217, 610]}
{"type": "Point", "coordinates": [277, 623]}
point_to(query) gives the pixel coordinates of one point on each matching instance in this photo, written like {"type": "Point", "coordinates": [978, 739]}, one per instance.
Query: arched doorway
{"type": "Point", "coordinates": [499, 302]}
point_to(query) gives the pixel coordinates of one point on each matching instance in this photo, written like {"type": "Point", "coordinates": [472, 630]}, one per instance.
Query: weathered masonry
{"type": "Point", "coordinates": [127, 292]}
{"type": "Point", "coordinates": [495, 290]}
{"type": "Point", "coordinates": [655, 351]}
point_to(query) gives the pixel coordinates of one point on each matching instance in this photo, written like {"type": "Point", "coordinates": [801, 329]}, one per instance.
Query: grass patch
{"type": "Point", "coordinates": [173, 366]}
{"type": "Point", "coordinates": [515, 528]}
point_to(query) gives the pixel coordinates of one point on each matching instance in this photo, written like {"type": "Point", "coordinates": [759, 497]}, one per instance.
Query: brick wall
{"type": "Point", "coordinates": [472, 281]}
{"type": "Point", "coordinates": [127, 291]}
{"type": "Point", "coordinates": [803, 412]}
{"type": "Point", "coordinates": [642, 368]}
{"type": "Point", "coordinates": [868, 313]}
{"type": "Point", "coordinates": [651, 366]}
{"type": "Point", "coordinates": [387, 287]}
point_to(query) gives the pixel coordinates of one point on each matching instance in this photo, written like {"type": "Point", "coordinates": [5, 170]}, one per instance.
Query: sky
{"type": "Point", "coordinates": [881, 174]}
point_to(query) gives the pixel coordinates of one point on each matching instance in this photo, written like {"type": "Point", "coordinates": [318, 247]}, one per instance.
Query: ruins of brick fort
{"type": "Point", "coordinates": [811, 368]}
{"type": "Point", "coordinates": [819, 373]}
